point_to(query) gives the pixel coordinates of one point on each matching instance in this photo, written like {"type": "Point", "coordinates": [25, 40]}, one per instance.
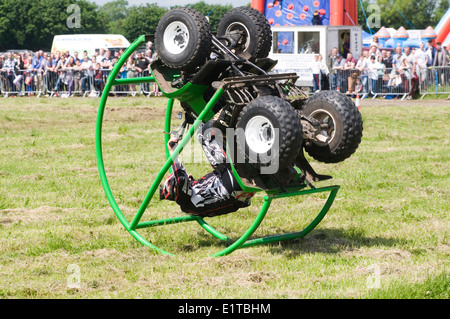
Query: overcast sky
{"type": "Point", "coordinates": [169, 3]}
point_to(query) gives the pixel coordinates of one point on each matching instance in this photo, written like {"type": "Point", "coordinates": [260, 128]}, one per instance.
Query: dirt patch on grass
{"type": "Point", "coordinates": [23, 215]}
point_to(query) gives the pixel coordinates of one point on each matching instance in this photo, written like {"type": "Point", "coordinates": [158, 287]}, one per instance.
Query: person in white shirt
{"type": "Point", "coordinates": [373, 73]}
{"type": "Point", "coordinates": [422, 62]}
{"type": "Point", "coordinates": [362, 65]}
{"type": "Point", "coordinates": [324, 74]}
{"type": "Point", "coordinates": [315, 69]}
{"type": "Point", "coordinates": [86, 72]}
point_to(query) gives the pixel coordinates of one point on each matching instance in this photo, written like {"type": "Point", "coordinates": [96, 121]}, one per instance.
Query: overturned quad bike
{"type": "Point", "coordinates": [226, 78]}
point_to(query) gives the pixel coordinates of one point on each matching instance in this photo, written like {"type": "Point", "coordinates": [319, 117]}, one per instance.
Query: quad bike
{"type": "Point", "coordinates": [226, 78]}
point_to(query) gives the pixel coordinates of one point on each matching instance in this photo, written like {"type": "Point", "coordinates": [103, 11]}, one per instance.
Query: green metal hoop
{"type": "Point", "coordinates": [135, 224]}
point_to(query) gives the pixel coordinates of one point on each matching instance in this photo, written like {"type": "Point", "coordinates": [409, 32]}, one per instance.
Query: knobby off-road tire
{"type": "Point", "coordinates": [345, 126]}
{"type": "Point", "coordinates": [183, 39]}
{"type": "Point", "coordinates": [271, 130]}
{"type": "Point", "coordinates": [252, 26]}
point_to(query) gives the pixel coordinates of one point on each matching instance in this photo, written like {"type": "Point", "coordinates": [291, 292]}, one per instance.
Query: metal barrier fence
{"type": "Point", "coordinates": [21, 82]}
{"type": "Point", "coordinates": [70, 82]}
{"type": "Point", "coordinates": [382, 82]}
{"type": "Point", "coordinates": [385, 82]}
{"type": "Point", "coordinates": [434, 80]}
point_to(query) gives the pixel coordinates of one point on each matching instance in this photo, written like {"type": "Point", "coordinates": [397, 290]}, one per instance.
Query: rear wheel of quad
{"type": "Point", "coordinates": [249, 30]}
{"type": "Point", "coordinates": [268, 133]}
{"type": "Point", "coordinates": [341, 126]}
{"type": "Point", "coordinates": [183, 39]}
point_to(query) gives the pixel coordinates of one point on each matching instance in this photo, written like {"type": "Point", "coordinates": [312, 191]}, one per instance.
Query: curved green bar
{"type": "Point", "coordinates": [98, 144]}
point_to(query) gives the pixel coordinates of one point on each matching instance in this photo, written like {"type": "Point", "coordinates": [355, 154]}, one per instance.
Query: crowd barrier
{"type": "Point", "coordinates": [383, 82]}
{"type": "Point", "coordinates": [71, 82]}
{"type": "Point", "coordinates": [434, 80]}
{"type": "Point", "coordinates": [386, 82]}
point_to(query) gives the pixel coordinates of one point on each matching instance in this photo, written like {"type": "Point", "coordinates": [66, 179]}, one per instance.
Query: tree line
{"type": "Point", "coordinates": [33, 24]}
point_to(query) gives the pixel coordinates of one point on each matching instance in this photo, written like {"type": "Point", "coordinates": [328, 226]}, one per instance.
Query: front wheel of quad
{"type": "Point", "coordinates": [268, 133]}
{"type": "Point", "coordinates": [341, 126]}
{"type": "Point", "coordinates": [249, 31]}
{"type": "Point", "coordinates": [183, 39]}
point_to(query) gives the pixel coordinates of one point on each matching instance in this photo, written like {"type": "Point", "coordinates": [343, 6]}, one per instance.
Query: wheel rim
{"type": "Point", "coordinates": [259, 134]}
{"type": "Point", "coordinates": [240, 29]}
{"type": "Point", "coordinates": [327, 124]}
{"type": "Point", "coordinates": [176, 37]}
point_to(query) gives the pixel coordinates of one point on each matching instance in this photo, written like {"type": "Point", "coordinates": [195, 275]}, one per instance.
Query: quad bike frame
{"type": "Point", "coordinates": [192, 92]}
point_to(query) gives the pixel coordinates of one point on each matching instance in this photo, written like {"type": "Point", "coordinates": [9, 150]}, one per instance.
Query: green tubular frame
{"type": "Point", "coordinates": [136, 224]}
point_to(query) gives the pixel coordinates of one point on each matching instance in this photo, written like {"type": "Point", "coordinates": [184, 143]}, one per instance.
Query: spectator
{"type": "Point", "coordinates": [316, 20]}
{"type": "Point", "coordinates": [9, 66]}
{"type": "Point", "coordinates": [345, 44]}
{"type": "Point", "coordinates": [98, 77]}
{"type": "Point", "coordinates": [358, 88]}
{"type": "Point", "coordinates": [375, 42]}
{"type": "Point", "coordinates": [77, 77]}
{"type": "Point", "coordinates": [141, 63]}
{"type": "Point", "coordinates": [86, 74]}
{"type": "Point", "coordinates": [324, 74]}
{"type": "Point", "coordinates": [101, 55]}
{"type": "Point", "coordinates": [397, 56]}
{"type": "Point", "coordinates": [29, 77]}
{"type": "Point", "coordinates": [430, 51]}
{"type": "Point", "coordinates": [362, 65]}
{"type": "Point", "coordinates": [349, 66]}
{"type": "Point", "coordinates": [60, 68]}
{"type": "Point", "coordinates": [409, 73]}
{"type": "Point", "coordinates": [36, 62]}
{"type": "Point", "coordinates": [68, 79]}
{"type": "Point", "coordinates": [422, 62]}
{"type": "Point", "coordinates": [131, 73]}
{"type": "Point", "coordinates": [315, 68]}
{"type": "Point", "coordinates": [387, 59]}
{"type": "Point", "coordinates": [150, 47]}
{"type": "Point", "coordinates": [440, 57]}
{"type": "Point", "coordinates": [336, 76]}
{"type": "Point", "coordinates": [76, 57]}
{"type": "Point", "coordinates": [106, 62]}
{"type": "Point", "coordinates": [20, 71]}
{"type": "Point", "coordinates": [373, 73]}
{"type": "Point", "coordinates": [440, 60]}
{"type": "Point", "coordinates": [332, 57]}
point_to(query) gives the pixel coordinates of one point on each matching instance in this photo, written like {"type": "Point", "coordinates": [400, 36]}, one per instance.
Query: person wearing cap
{"type": "Point", "coordinates": [316, 20]}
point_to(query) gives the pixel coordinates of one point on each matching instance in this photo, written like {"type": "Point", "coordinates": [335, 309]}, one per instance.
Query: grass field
{"type": "Point", "coordinates": [386, 235]}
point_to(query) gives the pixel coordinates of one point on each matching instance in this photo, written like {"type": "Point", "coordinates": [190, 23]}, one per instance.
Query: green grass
{"type": "Point", "coordinates": [391, 213]}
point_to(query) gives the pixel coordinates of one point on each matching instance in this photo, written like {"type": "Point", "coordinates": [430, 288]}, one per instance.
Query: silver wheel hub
{"type": "Point", "coordinates": [176, 37]}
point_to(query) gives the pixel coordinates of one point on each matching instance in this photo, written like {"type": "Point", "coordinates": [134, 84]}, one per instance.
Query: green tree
{"type": "Point", "coordinates": [142, 19]}
{"type": "Point", "coordinates": [417, 14]}
{"type": "Point", "coordinates": [33, 24]}
{"type": "Point", "coordinates": [115, 13]}
{"type": "Point", "coordinates": [214, 12]}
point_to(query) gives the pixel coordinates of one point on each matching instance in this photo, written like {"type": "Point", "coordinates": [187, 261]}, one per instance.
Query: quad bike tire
{"type": "Point", "coordinates": [345, 126]}
{"type": "Point", "coordinates": [183, 39]}
{"type": "Point", "coordinates": [255, 34]}
{"type": "Point", "coordinates": [259, 120]}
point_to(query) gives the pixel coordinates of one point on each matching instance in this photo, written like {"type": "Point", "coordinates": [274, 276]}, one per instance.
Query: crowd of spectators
{"type": "Point", "coordinates": [68, 73]}
{"type": "Point", "coordinates": [378, 69]}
